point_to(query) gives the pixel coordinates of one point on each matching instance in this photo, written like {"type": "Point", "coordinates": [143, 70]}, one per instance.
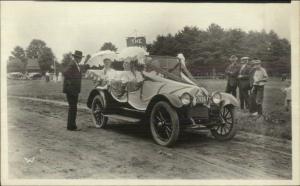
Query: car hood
{"type": "Point", "coordinates": [178, 88]}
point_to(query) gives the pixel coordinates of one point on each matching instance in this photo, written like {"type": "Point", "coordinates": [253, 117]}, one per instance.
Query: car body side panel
{"type": "Point", "coordinates": [141, 98]}
{"type": "Point", "coordinates": [134, 99]}
{"type": "Point", "coordinates": [150, 89]}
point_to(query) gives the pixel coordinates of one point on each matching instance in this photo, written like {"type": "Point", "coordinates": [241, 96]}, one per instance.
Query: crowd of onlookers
{"type": "Point", "coordinates": [250, 78]}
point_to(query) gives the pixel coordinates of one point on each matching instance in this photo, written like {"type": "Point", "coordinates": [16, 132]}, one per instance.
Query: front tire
{"type": "Point", "coordinates": [164, 124]}
{"type": "Point", "coordinates": [99, 120]}
{"type": "Point", "coordinates": [226, 130]}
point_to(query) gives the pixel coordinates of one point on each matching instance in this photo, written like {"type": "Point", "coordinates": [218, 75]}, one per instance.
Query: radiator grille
{"type": "Point", "coordinates": [199, 111]}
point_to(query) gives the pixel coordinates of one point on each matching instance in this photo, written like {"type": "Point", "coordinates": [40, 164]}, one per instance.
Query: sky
{"type": "Point", "coordinates": [85, 26]}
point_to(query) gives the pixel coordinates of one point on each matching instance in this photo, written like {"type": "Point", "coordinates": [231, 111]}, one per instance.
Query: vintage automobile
{"type": "Point", "coordinates": [169, 101]}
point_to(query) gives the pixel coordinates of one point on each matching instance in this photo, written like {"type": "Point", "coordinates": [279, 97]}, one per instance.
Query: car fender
{"type": "Point", "coordinates": [170, 98]}
{"type": "Point", "coordinates": [94, 93]}
{"type": "Point", "coordinates": [229, 99]}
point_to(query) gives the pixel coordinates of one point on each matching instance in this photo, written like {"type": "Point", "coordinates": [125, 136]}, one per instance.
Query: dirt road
{"type": "Point", "coordinates": [41, 147]}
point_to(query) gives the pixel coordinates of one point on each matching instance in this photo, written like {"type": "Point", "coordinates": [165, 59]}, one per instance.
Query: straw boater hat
{"type": "Point", "coordinates": [77, 53]}
{"type": "Point", "coordinates": [256, 62]}
{"type": "Point", "coordinates": [233, 57]}
{"type": "Point", "coordinates": [244, 58]}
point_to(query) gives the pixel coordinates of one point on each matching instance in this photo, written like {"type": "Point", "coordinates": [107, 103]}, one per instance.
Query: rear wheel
{"type": "Point", "coordinates": [164, 124]}
{"type": "Point", "coordinates": [99, 120]}
{"type": "Point", "coordinates": [227, 128]}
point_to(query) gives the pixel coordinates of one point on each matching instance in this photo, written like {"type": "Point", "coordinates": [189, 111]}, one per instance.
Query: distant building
{"type": "Point", "coordinates": [33, 65]}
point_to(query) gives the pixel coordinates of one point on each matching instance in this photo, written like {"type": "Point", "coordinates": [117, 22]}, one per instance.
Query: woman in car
{"type": "Point", "coordinates": [132, 77]}
{"type": "Point", "coordinates": [107, 73]}
{"type": "Point", "coordinates": [128, 80]}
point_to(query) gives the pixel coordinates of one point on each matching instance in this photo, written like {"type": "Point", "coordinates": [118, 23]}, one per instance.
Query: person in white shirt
{"type": "Point", "coordinates": [288, 96]}
{"type": "Point", "coordinates": [258, 80]}
{"type": "Point", "coordinates": [107, 73]}
{"type": "Point", "coordinates": [47, 75]}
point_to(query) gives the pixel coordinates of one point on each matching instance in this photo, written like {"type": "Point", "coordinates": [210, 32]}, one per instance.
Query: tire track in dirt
{"type": "Point", "coordinates": [190, 153]}
{"type": "Point", "coordinates": [84, 107]}
{"type": "Point", "coordinates": [84, 141]}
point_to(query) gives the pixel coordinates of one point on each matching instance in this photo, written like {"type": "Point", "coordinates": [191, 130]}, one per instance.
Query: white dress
{"type": "Point", "coordinates": [128, 76]}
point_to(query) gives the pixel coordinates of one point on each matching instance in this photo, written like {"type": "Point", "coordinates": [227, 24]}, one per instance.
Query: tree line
{"type": "Point", "coordinates": [209, 50]}
{"type": "Point", "coordinates": [206, 51]}
{"type": "Point", "coordinates": [37, 50]}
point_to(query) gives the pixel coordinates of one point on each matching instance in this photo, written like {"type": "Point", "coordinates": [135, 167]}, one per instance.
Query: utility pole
{"type": "Point", "coordinates": [135, 31]}
{"type": "Point", "coordinates": [54, 66]}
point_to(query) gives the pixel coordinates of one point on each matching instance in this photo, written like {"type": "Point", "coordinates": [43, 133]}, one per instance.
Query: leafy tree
{"type": "Point", "coordinates": [108, 46]}
{"type": "Point", "coordinates": [15, 65]}
{"type": "Point", "coordinates": [38, 49]}
{"type": "Point", "coordinates": [208, 50]}
{"type": "Point", "coordinates": [35, 48]}
{"type": "Point", "coordinates": [46, 59]}
{"type": "Point", "coordinates": [17, 62]}
{"type": "Point", "coordinates": [19, 53]}
{"type": "Point", "coordinates": [67, 58]}
{"type": "Point", "coordinates": [164, 45]}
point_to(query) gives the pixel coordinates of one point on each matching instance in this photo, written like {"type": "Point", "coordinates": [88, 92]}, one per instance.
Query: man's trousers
{"type": "Point", "coordinates": [72, 100]}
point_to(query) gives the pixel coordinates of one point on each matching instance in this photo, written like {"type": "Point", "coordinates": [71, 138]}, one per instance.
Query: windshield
{"type": "Point", "coordinates": [169, 68]}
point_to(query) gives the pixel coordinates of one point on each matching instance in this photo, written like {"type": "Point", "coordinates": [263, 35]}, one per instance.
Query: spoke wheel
{"type": "Point", "coordinates": [164, 124]}
{"type": "Point", "coordinates": [99, 120]}
{"type": "Point", "coordinates": [226, 129]}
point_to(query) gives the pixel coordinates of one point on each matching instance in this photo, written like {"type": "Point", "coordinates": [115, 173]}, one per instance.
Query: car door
{"type": "Point", "coordinates": [140, 98]}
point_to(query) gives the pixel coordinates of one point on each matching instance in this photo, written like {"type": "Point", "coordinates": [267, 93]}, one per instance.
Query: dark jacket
{"type": "Point", "coordinates": [72, 79]}
{"type": "Point", "coordinates": [232, 72]}
{"type": "Point", "coordinates": [244, 77]}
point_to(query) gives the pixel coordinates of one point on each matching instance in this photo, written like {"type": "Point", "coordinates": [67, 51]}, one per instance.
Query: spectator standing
{"type": "Point", "coordinates": [72, 87]}
{"type": "Point", "coordinates": [47, 76]}
{"type": "Point", "coordinates": [232, 72]}
{"type": "Point", "coordinates": [288, 96]}
{"type": "Point", "coordinates": [59, 77]}
{"type": "Point", "coordinates": [244, 82]}
{"type": "Point", "coordinates": [259, 78]}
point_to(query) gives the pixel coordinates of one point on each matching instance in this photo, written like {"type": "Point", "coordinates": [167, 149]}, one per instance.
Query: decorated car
{"type": "Point", "coordinates": [167, 98]}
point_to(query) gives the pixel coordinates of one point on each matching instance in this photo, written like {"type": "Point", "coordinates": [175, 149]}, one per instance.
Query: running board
{"type": "Point", "coordinates": [196, 127]}
{"type": "Point", "coordinates": [121, 117]}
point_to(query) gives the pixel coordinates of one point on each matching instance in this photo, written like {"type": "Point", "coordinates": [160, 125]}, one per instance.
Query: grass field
{"type": "Point", "coordinates": [275, 121]}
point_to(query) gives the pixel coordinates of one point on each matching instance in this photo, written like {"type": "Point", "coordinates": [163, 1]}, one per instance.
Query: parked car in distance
{"type": "Point", "coordinates": [168, 100]}
{"type": "Point", "coordinates": [34, 76]}
{"type": "Point", "coordinates": [16, 76]}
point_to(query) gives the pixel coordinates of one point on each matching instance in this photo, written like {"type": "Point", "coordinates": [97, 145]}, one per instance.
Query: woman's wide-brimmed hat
{"type": "Point", "coordinates": [133, 54]}
{"type": "Point", "coordinates": [77, 53]}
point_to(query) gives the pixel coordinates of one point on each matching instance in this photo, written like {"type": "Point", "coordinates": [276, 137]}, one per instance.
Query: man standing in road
{"type": "Point", "coordinates": [71, 87]}
{"type": "Point", "coordinates": [244, 82]}
{"type": "Point", "coordinates": [259, 78]}
{"type": "Point", "coordinates": [232, 72]}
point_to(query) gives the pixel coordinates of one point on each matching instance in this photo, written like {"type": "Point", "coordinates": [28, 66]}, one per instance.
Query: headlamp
{"type": "Point", "coordinates": [186, 99]}
{"type": "Point", "coordinates": [216, 98]}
